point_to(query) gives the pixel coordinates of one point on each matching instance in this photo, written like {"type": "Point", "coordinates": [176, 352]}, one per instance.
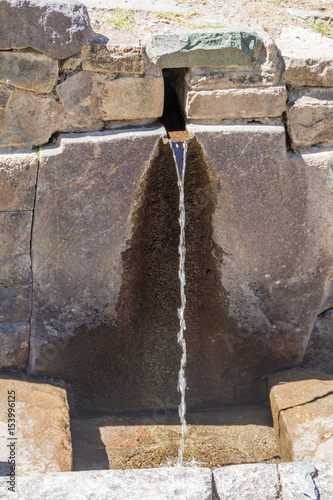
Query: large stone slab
{"type": "Point", "coordinates": [14, 345]}
{"type": "Point", "coordinates": [319, 352]}
{"type": "Point", "coordinates": [87, 191]}
{"type": "Point", "coordinates": [301, 402]}
{"type": "Point", "coordinates": [303, 481]}
{"type": "Point", "coordinates": [15, 303]}
{"type": "Point", "coordinates": [310, 116]}
{"type": "Point", "coordinates": [26, 119]}
{"type": "Point", "coordinates": [164, 484]}
{"type": "Point", "coordinates": [17, 181]}
{"type": "Point", "coordinates": [15, 228]}
{"type": "Point", "coordinates": [42, 432]}
{"type": "Point", "coordinates": [307, 56]}
{"type": "Point", "coordinates": [204, 49]}
{"type": "Point", "coordinates": [236, 103]}
{"type": "Point", "coordinates": [58, 29]}
{"type": "Point", "coordinates": [28, 70]}
{"type": "Point", "coordinates": [247, 482]}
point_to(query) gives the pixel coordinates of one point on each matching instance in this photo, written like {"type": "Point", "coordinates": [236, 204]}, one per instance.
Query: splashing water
{"type": "Point", "coordinates": [179, 150]}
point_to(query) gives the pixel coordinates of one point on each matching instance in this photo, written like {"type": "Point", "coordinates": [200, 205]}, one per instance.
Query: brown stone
{"type": "Point", "coordinates": [102, 58]}
{"type": "Point", "coordinates": [302, 402]}
{"type": "Point", "coordinates": [310, 117]}
{"type": "Point", "coordinates": [236, 103]}
{"type": "Point", "coordinates": [17, 181]}
{"type": "Point", "coordinates": [14, 345]}
{"type": "Point", "coordinates": [28, 70]}
{"type": "Point", "coordinates": [15, 229]}
{"type": "Point", "coordinates": [42, 427]}
{"type": "Point", "coordinates": [26, 119]}
{"type": "Point", "coordinates": [15, 303]}
{"type": "Point", "coordinates": [15, 270]}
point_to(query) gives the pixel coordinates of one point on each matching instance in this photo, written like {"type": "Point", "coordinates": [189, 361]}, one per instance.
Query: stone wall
{"type": "Point", "coordinates": [97, 212]}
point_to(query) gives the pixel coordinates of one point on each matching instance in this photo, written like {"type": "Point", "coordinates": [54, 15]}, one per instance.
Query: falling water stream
{"type": "Point", "coordinates": [179, 150]}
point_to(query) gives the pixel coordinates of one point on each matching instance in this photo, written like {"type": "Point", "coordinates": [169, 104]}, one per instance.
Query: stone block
{"type": "Point", "coordinates": [301, 481]}
{"type": "Point", "coordinates": [15, 304]}
{"type": "Point", "coordinates": [204, 49]}
{"type": "Point", "coordinates": [58, 29]}
{"type": "Point", "coordinates": [310, 117]}
{"type": "Point", "coordinates": [162, 484]}
{"type": "Point", "coordinates": [236, 103]}
{"type": "Point", "coordinates": [15, 230]}
{"type": "Point", "coordinates": [79, 96]}
{"type": "Point", "coordinates": [15, 270]}
{"type": "Point", "coordinates": [102, 58]}
{"type": "Point", "coordinates": [17, 181]}
{"type": "Point", "coordinates": [14, 345]}
{"type": "Point", "coordinates": [247, 482]}
{"type": "Point", "coordinates": [301, 402]}
{"type": "Point", "coordinates": [42, 428]}
{"type": "Point", "coordinates": [26, 119]}
{"type": "Point", "coordinates": [307, 56]}
{"type": "Point", "coordinates": [132, 98]}
{"type": "Point", "coordinates": [319, 352]}
{"type": "Point", "coordinates": [28, 70]}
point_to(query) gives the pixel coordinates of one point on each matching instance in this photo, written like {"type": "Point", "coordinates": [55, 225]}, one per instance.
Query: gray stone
{"type": "Point", "coordinates": [304, 481]}
{"type": "Point", "coordinates": [103, 58]}
{"type": "Point", "coordinates": [310, 116]}
{"type": "Point", "coordinates": [161, 484]}
{"type": "Point", "coordinates": [15, 304]}
{"type": "Point", "coordinates": [132, 98]}
{"type": "Point", "coordinates": [42, 429]}
{"type": "Point", "coordinates": [15, 229]}
{"type": "Point", "coordinates": [58, 29]}
{"type": "Point", "coordinates": [14, 345]}
{"type": "Point", "coordinates": [301, 402]}
{"type": "Point", "coordinates": [26, 119]}
{"type": "Point", "coordinates": [15, 270]}
{"type": "Point", "coordinates": [319, 351]}
{"type": "Point", "coordinates": [247, 482]}
{"type": "Point", "coordinates": [17, 181]}
{"type": "Point", "coordinates": [236, 103]}
{"type": "Point", "coordinates": [28, 70]}
{"type": "Point", "coordinates": [204, 49]}
{"type": "Point", "coordinates": [307, 56]}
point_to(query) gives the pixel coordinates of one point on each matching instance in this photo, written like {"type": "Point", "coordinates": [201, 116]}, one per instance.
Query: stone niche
{"type": "Point", "coordinates": [105, 265]}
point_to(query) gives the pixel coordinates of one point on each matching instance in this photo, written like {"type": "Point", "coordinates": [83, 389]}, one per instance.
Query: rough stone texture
{"type": "Point", "coordinates": [15, 229]}
{"type": "Point", "coordinates": [310, 116]}
{"type": "Point", "coordinates": [26, 119]}
{"type": "Point", "coordinates": [42, 428]}
{"type": "Point", "coordinates": [247, 482]}
{"type": "Point", "coordinates": [236, 103]}
{"type": "Point", "coordinates": [132, 98]}
{"type": "Point", "coordinates": [319, 352]}
{"type": "Point", "coordinates": [28, 70]}
{"type": "Point", "coordinates": [164, 484]}
{"type": "Point", "coordinates": [15, 303]}
{"type": "Point", "coordinates": [15, 270]}
{"type": "Point", "coordinates": [58, 29]}
{"type": "Point", "coordinates": [17, 181]}
{"type": "Point", "coordinates": [14, 345]}
{"type": "Point", "coordinates": [204, 49]}
{"type": "Point", "coordinates": [86, 195]}
{"type": "Point", "coordinates": [101, 57]}
{"type": "Point", "coordinates": [302, 402]}
{"type": "Point", "coordinates": [307, 56]}
{"type": "Point", "coordinates": [304, 481]}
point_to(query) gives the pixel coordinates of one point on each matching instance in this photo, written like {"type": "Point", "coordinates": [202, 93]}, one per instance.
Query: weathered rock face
{"type": "Point", "coordinates": [319, 352]}
{"type": "Point", "coordinates": [204, 49]}
{"type": "Point", "coordinates": [42, 427]}
{"type": "Point", "coordinates": [301, 402]}
{"type": "Point", "coordinates": [307, 56]}
{"type": "Point", "coordinates": [14, 344]}
{"type": "Point", "coordinates": [58, 29]}
{"type": "Point", "coordinates": [310, 116]}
